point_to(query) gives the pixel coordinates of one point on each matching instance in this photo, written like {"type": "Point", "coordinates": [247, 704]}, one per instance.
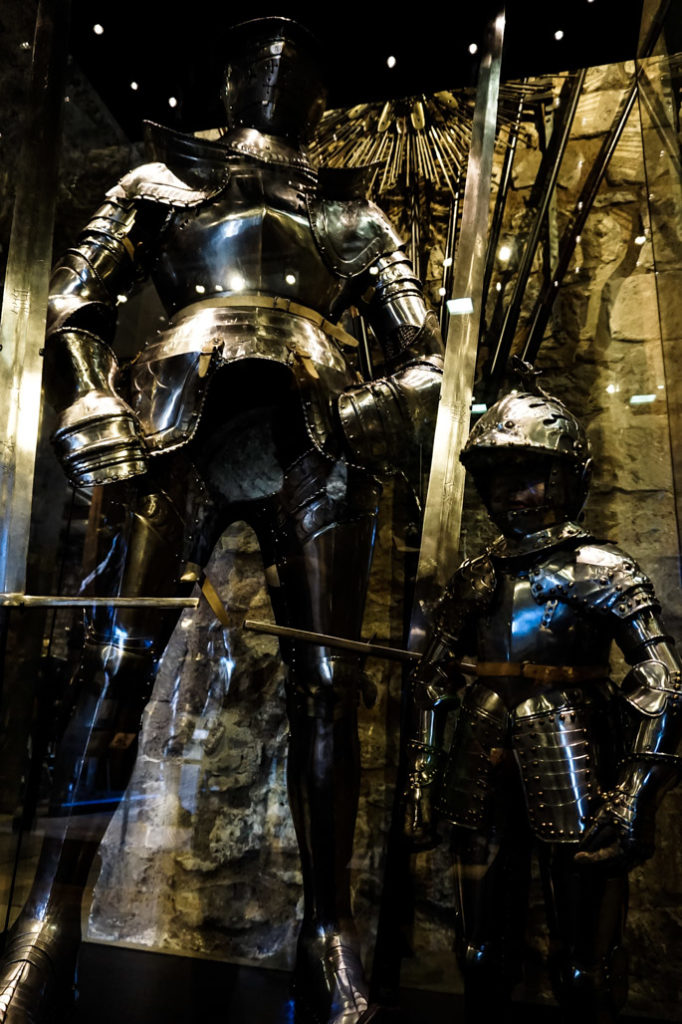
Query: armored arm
{"type": "Point", "coordinates": [392, 417]}
{"type": "Point", "coordinates": [650, 719]}
{"type": "Point", "coordinates": [433, 691]}
{"type": "Point", "coordinates": [97, 437]}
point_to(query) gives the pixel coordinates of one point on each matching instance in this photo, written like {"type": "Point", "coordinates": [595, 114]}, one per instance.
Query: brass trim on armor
{"type": "Point", "coordinates": [271, 302]}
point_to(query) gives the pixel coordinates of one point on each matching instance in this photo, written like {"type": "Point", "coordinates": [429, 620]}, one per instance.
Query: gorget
{"type": "Point", "coordinates": [542, 540]}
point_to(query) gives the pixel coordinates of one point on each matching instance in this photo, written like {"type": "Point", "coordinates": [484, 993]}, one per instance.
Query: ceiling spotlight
{"type": "Point", "coordinates": [504, 253]}
{"type": "Point", "coordinates": [391, 62]}
{"type": "Point", "coordinates": [473, 48]}
{"type": "Point", "coordinates": [640, 239]}
{"type": "Point", "coordinates": [172, 102]}
{"type": "Point", "coordinates": [559, 34]}
{"type": "Point", "coordinates": [97, 29]}
{"type": "Point", "coordinates": [134, 86]}
{"type": "Point", "coordinates": [290, 278]}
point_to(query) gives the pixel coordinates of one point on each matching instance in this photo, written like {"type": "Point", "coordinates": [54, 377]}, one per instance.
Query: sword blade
{"type": "Point", "coordinates": [443, 509]}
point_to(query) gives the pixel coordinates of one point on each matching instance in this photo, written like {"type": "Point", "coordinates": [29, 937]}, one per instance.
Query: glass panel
{"type": "Point", "coordinates": [201, 856]}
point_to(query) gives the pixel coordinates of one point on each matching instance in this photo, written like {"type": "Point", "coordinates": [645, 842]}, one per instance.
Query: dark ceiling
{"type": "Point", "coordinates": [177, 51]}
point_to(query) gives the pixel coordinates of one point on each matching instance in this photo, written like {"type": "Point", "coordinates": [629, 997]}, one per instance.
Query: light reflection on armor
{"type": "Point", "coordinates": [247, 407]}
{"type": "Point", "coordinates": [547, 755]}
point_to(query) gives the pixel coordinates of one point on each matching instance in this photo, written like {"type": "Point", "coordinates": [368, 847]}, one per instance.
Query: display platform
{"type": "Point", "coordinates": [151, 988]}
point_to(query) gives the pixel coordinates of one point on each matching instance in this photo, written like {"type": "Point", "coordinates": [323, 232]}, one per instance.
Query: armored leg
{"type": "Point", "coordinates": [139, 553]}
{"type": "Point", "coordinates": [586, 908]}
{"type": "Point", "coordinates": [493, 874]}
{"type": "Point", "coordinates": [321, 541]}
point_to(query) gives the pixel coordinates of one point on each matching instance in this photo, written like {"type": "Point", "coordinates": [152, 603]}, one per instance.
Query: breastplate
{"type": "Point", "coordinates": [255, 236]}
{"type": "Point", "coordinates": [517, 628]}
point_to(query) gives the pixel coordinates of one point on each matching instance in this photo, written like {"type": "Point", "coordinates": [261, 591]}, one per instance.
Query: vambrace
{"type": "Point", "coordinates": [387, 421]}
{"type": "Point", "coordinates": [650, 713]}
{"type": "Point", "coordinates": [97, 437]}
{"type": "Point", "coordinates": [432, 694]}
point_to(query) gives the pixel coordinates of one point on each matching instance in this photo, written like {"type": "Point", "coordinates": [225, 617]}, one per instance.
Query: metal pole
{"type": "Point", "coordinates": [443, 510]}
{"type": "Point", "coordinates": [22, 326]}
{"type": "Point", "coordinates": [570, 95]}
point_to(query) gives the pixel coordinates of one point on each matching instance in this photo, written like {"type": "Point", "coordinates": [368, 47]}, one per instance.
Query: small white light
{"type": "Point", "coordinates": [134, 86]}
{"type": "Point", "coordinates": [121, 298]}
{"type": "Point", "coordinates": [612, 388]}
{"type": "Point", "coordinates": [460, 307]}
{"type": "Point", "coordinates": [660, 386]}
{"type": "Point", "coordinates": [97, 29]}
{"type": "Point", "coordinates": [498, 286]}
{"type": "Point", "coordinates": [374, 271]}
{"type": "Point", "coordinates": [391, 62]}
{"type": "Point", "coordinates": [290, 279]}
{"type": "Point", "coordinates": [447, 262]}
{"type": "Point", "coordinates": [578, 239]}
{"type": "Point", "coordinates": [24, 46]}
{"type": "Point", "coordinates": [504, 253]}
{"type": "Point", "coordinates": [237, 283]}
{"type": "Point", "coordinates": [642, 399]}
{"type": "Point", "coordinates": [640, 239]}
{"type": "Point", "coordinates": [479, 407]}
{"type": "Point", "coordinates": [172, 102]}
{"type": "Point", "coordinates": [441, 291]}
{"type": "Point", "coordinates": [580, 205]}
{"type": "Point", "coordinates": [199, 289]}
{"type": "Point", "coordinates": [473, 49]}
{"type": "Point", "coordinates": [559, 34]}
{"type": "Point", "coordinates": [67, 99]}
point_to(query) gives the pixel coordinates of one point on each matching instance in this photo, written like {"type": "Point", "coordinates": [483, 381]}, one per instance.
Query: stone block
{"type": "Point", "coordinates": [633, 314]}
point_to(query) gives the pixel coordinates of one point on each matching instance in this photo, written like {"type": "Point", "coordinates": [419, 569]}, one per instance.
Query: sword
{"type": "Point", "coordinates": [438, 554]}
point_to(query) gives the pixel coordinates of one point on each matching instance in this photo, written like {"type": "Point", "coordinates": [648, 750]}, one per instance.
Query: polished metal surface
{"type": "Point", "coordinates": [443, 509]}
{"type": "Point", "coordinates": [253, 237]}
{"type": "Point", "coordinates": [553, 741]}
{"type": "Point", "coordinates": [546, 751]}
{"type": "Point", "coordinates": [273, 79]}
{"type": "Point", "coordinates": [235, 407]}
{"type": "Point", "coordinates": [523, 421]}
{"type": "Point", "coordinates": [170, 377]}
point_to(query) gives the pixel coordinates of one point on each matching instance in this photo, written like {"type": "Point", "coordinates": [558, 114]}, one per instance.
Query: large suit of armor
{"type": "Point", "coordinates": [245, 406]}
{"type": "Point", "coordinates": [547, 753]}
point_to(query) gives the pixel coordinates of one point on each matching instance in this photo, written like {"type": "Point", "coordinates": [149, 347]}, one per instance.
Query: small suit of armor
{"type": "Point", "coordinates": [547, 753]}
{"type": "Point", "coordinates": [246, 407]}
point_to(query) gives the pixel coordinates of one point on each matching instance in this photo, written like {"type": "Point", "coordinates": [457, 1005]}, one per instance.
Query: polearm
{"type": "Point", "coordinates": [363, 647]}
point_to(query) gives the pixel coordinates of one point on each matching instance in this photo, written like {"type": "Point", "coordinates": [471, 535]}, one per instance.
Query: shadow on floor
{"type": "Point", "coordinates": [137, 987]}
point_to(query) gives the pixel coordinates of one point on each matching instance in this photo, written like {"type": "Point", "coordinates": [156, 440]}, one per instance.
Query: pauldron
{"type": "Point", "coordinates": [596, 578]}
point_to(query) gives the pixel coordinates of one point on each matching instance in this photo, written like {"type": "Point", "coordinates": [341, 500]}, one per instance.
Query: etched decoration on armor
{"type": "Point", "coordinates": [548, 754]}
{"type": "Point", "coordinates": [245, 407]}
